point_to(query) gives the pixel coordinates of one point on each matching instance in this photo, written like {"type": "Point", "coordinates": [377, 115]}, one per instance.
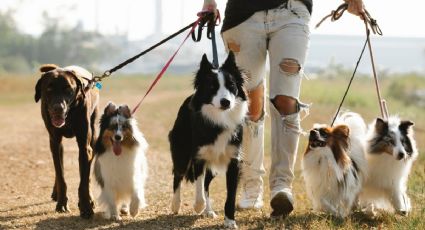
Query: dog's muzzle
{"type": "Point", "coordinates": [315, 140]}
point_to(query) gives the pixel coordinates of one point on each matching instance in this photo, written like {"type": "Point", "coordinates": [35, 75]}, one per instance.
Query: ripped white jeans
{"type": "Point", "coordinates": [282, 33]}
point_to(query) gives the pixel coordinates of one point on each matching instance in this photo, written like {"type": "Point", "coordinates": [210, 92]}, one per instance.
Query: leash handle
{"type": "Point", "coordinates": [209, 18]}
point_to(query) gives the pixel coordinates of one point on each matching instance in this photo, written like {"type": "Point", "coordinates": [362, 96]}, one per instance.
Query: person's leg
{"type": "Point", "coordinates": [248, 42]}
{"type": "Point", "coordinates": [289, 38]}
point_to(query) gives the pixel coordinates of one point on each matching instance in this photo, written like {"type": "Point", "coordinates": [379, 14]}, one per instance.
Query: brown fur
{"type": "Point", "coordinates": [55, 87]}
{"type": "Point", "coordinates": [338, 141]}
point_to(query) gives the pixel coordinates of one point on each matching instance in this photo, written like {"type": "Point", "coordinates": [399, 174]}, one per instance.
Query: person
{"type": "Point", "coordinates": [253, 29]}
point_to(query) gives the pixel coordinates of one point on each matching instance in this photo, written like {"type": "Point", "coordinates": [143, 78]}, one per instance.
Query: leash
{"type": "Point", "coordinates": [161, 73]}
{"type": "Point", "coordinates": [209, 18]}
{"type": "Point", "coordinates": [373, 25]}
{"type": "Point", "coordinates": [109, 72]}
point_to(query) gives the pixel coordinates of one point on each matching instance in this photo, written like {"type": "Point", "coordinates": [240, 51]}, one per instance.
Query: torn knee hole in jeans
{"type": "Point", "coordinates": [291, 122]}
{"type": "Point", "coordinates": [290, 66]}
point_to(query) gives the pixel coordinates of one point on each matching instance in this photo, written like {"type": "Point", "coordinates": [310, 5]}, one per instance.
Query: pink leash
{"type": "Point", "coordinates": [161, 73]}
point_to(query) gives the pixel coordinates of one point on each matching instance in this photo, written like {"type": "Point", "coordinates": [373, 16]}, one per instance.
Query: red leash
{"type": "Point", "coordinates": [165, 66]}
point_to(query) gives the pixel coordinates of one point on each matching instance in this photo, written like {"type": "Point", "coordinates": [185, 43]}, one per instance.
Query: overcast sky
{"type": "Point", "coordinates": [137, 17]}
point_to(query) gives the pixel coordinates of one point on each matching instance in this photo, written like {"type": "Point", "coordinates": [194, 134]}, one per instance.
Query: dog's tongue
{"type": "Point", "coordinates": [58, 122]}
{"type": "Point", "coordinates": [116, 146]}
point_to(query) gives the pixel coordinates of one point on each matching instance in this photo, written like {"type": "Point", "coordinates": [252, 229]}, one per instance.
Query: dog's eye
{"type": "Point", "coordinates": [323, 133]}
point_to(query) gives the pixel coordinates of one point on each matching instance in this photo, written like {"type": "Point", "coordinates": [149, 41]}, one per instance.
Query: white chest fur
{"type": "Point", "coordinates": [219, 154]}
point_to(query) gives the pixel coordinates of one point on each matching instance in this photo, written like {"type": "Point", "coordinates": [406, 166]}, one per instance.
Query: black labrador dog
{"type": "Point", "coordinates": [69, 107]}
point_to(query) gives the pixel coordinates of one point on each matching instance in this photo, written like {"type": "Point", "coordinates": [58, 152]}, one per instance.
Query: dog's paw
{"type": "Point", "coordinates": [209, 214]}
{"type": "Point", "coordinates": [124, 210]}
{"type": "Point", "coordinates": [175, 206]}
{"type": "Point", "coordinates": [230, 224]}
{"type": "Point", "coordinates": [116, 217]}
{"type": "Point", "coordinates": [86, 210]}
{"type": "Point", "coordinates": [403, 212]}
{"type": "Point", "coordinates": [62, 208]}
{"type": "Point", "coordinates": [199, 207]}
{"type": "Point", "coordinates": [134, 209]}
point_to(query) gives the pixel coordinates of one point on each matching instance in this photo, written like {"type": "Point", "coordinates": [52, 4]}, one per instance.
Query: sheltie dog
{"type": "Point", "coordinates": [334, 164]}
{"type": "Point", "coordinates": [391, 151]}
{"type": "Point", "coordinates": [207, 135]}
{"type": "Point", "coordinates": [120, 165]}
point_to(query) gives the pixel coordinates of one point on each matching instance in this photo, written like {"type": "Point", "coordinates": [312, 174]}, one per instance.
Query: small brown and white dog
{"type": "Point", "coordinates": [391, 151]}
{"type": "Point", "coordinates": [120, 166]}
{"type": "Point", "coordinates": [334, 164]}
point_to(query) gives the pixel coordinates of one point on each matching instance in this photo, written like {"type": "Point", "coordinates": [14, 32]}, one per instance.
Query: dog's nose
{"type": "Point", "coordinates": [57, 108]}
{"type": "Point", "coordinates": [225, 104]}
{"type": "Point", "coordinates": [400, 155]}
{"type": "Point", "coordinates": [118, 137]}
{"type": "Point", "coordinates": [314, 135]}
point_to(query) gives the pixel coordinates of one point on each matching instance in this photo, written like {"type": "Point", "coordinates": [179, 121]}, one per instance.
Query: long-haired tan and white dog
{"type": "Point", "coordinates": [391, 151]}
{"type": "Point", "coordinates": [334, 164]}
{"type": "Point", "coordinates": [120, 166]}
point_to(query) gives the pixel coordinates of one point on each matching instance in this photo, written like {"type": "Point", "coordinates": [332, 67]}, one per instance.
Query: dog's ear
{"type": "Point", "coordinates": [37, 95]}
{"type": "Point", "coordinates": [205, 69]}
{"type": "Point", "coordinates": [205, 64]}
{"type": "Point", "coordinates": [381, 126]}
{"type": "Point", "coordinates": [125, 111]}
{"type": "Point", "coordinates": [230, 63]}
{"type": "Point", "coordinates": [405, 125]}
{"type": "Point", "coordinates": [47, 67]}
{"type": "Point", "coordinates": [110, 108]}
{"type": "Point", "coordinates": [231, 67]}
{"type": "Point", "coordinates": [342, 130]}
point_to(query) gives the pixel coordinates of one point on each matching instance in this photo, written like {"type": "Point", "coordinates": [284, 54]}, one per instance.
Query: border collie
{"type": "Point", "coordinates": [391, 151]}
{"type": "Point", "coordinates": [207, 135]}
{"type": "Point", "coordinates": [120, 167]}
{"type": "Point", "coordinates": [334, 164]}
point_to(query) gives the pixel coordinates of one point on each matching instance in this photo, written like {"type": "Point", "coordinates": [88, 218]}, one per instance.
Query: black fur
{"type": "Point", "coordinates": [192, 130]}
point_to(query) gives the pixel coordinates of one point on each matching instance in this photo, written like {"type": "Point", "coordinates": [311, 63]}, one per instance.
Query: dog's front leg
{"type": "Point", "coordinates": [200, 200]}
{"type": "Point", "coordinates": [400, 202]}
{"type": "Point", "coordinates": [85, 202]}
{"type": "Point", "coordinates": [59, 189]}
{"type": "Point", "coordinates": [232, 177]}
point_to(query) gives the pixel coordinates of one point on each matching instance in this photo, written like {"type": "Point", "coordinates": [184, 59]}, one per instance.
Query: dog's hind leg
{"type": "Point", "coordinates": [59, 189]}
{"type": "Point", "coordinates": [209, 212]}
{"type": "Point", "coordinates": [232, 177]}
{"type": "Point", "coordinates": [175, 203]}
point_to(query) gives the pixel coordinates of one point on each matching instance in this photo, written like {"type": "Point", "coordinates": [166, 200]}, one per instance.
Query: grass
{"type": "Point", "coordinates": [28, 174]}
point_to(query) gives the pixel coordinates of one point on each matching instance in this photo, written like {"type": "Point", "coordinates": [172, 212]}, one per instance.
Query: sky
{"type": "Point", "coordinates": [137, 17]}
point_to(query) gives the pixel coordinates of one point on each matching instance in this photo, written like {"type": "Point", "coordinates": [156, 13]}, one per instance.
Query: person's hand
{"type": "Point", "coordinates": [355, 7]}
{"type": "Point", "coordinates": [210, 5]}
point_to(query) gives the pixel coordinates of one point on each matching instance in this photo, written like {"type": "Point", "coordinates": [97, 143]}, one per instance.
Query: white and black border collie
{"type": "Point", "coordinates": [391, 151]}
{"type": "Point", "coordinates": [120, 166]}
{"type": "Point", "coordinates": [207, 135]}
{"type": "Point", "coordinates": [334, 164]}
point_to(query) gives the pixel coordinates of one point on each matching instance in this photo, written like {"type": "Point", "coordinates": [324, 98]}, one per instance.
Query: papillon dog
{"type": "Point", "coordinates": [207, 135]}
{"type": "Point", "coordinates": [120, 165]}
{"type": "Point", "coordinates": [391, 151]}
{"type": "Point", "coordinates": [334, 165]}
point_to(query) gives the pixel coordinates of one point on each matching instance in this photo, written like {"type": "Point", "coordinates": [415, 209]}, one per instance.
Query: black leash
{"type": "Point", "coordinates": [210, 20]}
{"type": "Point", "coordinates": [132, 59]}
{"type": "Point", "coordinates": [349, 84]}
{"type": "Point", "coordinates": [369, 22]}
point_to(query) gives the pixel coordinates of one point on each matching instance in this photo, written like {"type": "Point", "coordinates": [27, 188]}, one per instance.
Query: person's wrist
{"type": "Point", "coordinates": [209, 5]}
